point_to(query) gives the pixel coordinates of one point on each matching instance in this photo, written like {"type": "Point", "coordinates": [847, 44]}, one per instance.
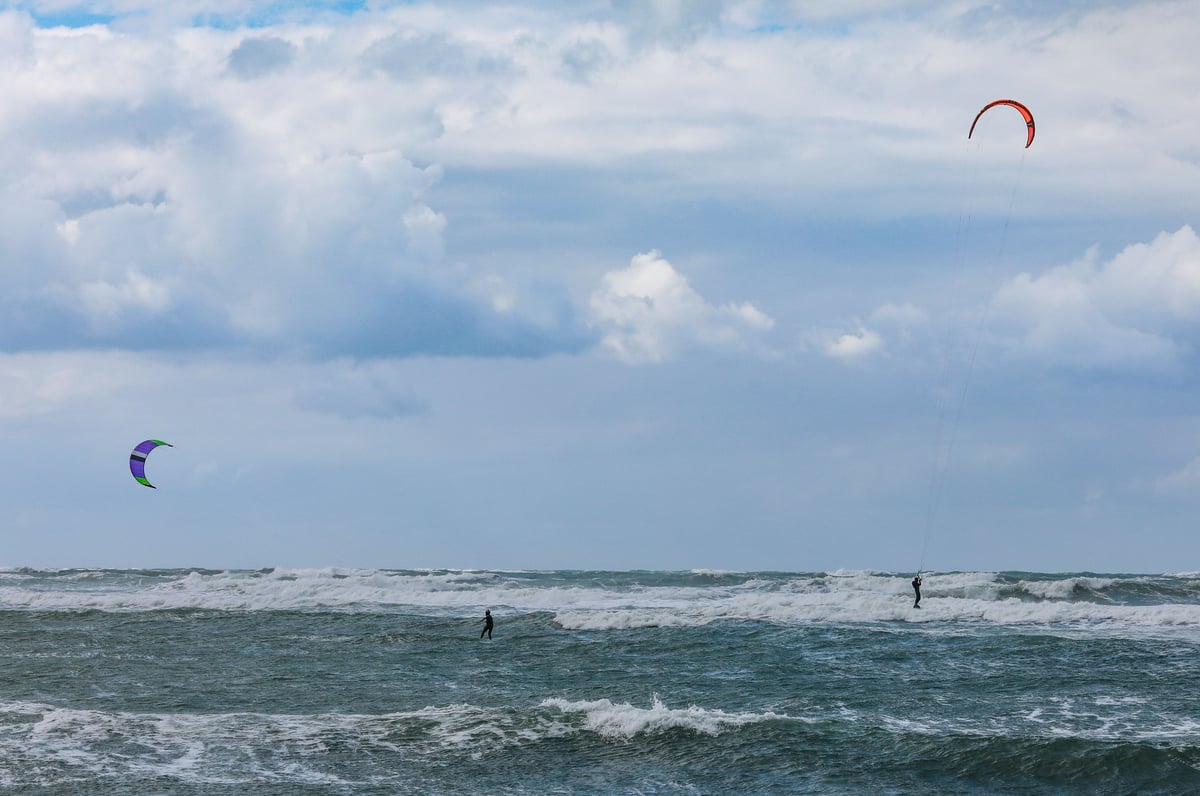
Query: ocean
{"type": "Point", "coordinates": [360, 681]}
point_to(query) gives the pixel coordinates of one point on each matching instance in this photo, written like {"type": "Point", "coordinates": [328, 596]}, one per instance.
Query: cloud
{"type": "Point", "coordinates": [1140, 309]}
{"type": "Point", "coordinates": [102, 300]}
{"type": "Point", "coordinates": [158, 192]}
{"type": "Point", "coordinates": [179, 209]}
{"type": "Point", "coordinates": [853, 345]}
{"type": "Point", "coordinates": [810, 10]}
{"type": "Point", "coordinates": [259, 56]}
{"type": "Point", "coordinates": [672, 22]}
{"type": "Point", "coordinates": [582, 59]}
{"type": "Point", "coordinates": [648, 312]}
{"type": "Point", "coordinates": [1185, 480]}
{"type": "Point", "coordinates": [868, 112]}
{"type": "Point", "coordinates": [36, 384]}
{"type": "Point", "coordinates": [413, 55]}
{"type": "Point", "coordinates": [355, 391]}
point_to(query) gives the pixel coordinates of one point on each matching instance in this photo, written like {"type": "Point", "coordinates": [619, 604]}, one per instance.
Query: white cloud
{"type": "Point", "coordinates": [39, 384]}
{"type": "Point", "coordinates": [496, 291]}
{"type": "Point", "coordinates": [669, 21]}
{"type": "Point", "coordinates": [1139, 310]}
{"type": "Point", "coordinates": [1136, 310]}
{"type": "Point", "coordinates": [425, 228]}
{"type": "Point", "coordinates": [104, 301]}
{"type": "Point", "coordinates": [152, 196]}
{"type": "Point", "coordinates": [280, 179]}
{"type": "Point", "coordinates": [1185, 480]}
{"type": "Point", "coordinates": [648, 312]}
{"type": "Point", "coordinates": [1146, 280]}
{"type": "Point", "coordinates": [69, 230]}
{"type": "Point", "coordinates": [827, 106]}
{"type": "Point", "coordinates": [845, 345]}
{"type": "Point", "coordinates": [854, 345]}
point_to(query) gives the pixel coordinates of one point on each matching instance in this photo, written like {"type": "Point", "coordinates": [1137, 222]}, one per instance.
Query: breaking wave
{"type": "Point", "coordinates": [578, 600]}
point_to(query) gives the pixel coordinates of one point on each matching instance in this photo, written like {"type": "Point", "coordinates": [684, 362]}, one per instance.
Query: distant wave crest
{"type": "Point", "coordinates": [599, 601]}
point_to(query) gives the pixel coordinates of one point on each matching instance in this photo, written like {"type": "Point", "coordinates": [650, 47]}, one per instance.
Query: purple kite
{"type": "Point", "coordinates": [137, 459]}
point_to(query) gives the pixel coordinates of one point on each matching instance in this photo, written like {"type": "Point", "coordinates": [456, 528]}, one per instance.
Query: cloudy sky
{"type": "Point", "coordinates": [601, 284]}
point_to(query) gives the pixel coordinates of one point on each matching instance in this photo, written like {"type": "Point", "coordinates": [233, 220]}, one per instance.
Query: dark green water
{"type": "Point", "coordinates": [653, 683]}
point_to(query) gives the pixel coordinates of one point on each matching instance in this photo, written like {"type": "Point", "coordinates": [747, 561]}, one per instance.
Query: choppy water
{"type": "Point", "coordinates": [369, 681]}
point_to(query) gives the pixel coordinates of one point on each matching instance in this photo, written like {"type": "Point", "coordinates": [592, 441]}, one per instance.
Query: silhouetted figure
{"type": "Point", "coordinates": [488, 624]}
{"type": "Point", "coordinates": [917, 589]}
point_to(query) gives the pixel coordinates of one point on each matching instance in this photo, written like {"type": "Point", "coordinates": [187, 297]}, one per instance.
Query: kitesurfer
{"type": "Point", "coordinates": [917, 588]}
{"type": "Point", "coordinates": [487, 624]}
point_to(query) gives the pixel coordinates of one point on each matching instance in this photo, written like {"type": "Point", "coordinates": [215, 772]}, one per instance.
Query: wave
{"type": "Point", "coordinates": [813, 609]}
{"type": "Point", "coordinates": [59, 744]}
{"type": "Point", "coordinates": [1100, 719]}
{"type": "Point", "coordinates": [1066, 588]}
{"type": "Point", "coordinates": [48, 745]}
{"type": "Point", "coordinates": [625, 720]}
{"type": "Point", "coordinates": [599, 601]}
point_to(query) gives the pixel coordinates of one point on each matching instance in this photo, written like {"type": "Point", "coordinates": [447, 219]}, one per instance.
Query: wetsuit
{"type": "Point", "coordinates": [487, 626]}
{"type": "Point", "coordinates": [917, 588]}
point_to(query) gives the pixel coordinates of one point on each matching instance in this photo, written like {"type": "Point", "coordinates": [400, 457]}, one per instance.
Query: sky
{"type": "Point", "coordinates": [609, 284]}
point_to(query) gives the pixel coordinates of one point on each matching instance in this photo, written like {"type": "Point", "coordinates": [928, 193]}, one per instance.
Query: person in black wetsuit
{"type": "Point", "coordinates": [487, 624]}
{"type": "Point", "coordinates": [917, 588]}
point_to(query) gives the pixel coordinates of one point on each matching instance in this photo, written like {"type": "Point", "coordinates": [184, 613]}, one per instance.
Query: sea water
{"type": "Point", "coordinates": [377, 682]}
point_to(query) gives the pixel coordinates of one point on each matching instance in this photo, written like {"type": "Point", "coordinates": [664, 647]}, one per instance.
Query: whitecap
{"type": "Point", "coordinates": [623, 720]}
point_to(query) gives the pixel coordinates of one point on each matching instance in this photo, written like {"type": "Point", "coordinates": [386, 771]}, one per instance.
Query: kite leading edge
{"type": "Point", "coordinates": [1020, 107]}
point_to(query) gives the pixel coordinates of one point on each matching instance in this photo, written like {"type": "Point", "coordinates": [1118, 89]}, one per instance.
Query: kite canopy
{"type": "Point", "coordinates": [137, 459]}
{"type": "Point", "coordinates": [1020, 107]}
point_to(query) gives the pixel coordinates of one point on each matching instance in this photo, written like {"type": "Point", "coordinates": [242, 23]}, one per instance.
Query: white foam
{"type": "Point", "coordinates": [623, 720]}
{"type": "Point", "coordinates": [857, 597]}
{"type": "Point", "coordinates": [1065, 588]}
{"type": "Point", "coordinates": [57, 745]}
{"type": "Point", "coordinates": [289, 589]}
{"type": "Point", "coordinates": [280, 589]}
{"type": "Point", "coordinates": [1096, 719]}
{"type": "Point", "coordinates": [845, 596]}
{"type": "Point", "coordinates": [807, 609]}
{"type": "Point", "coordinates": [241, 748]}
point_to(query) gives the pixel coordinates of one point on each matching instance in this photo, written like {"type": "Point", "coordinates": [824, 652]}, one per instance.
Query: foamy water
{"type": "Point", "coordinates": [374, 681]}
{"type": "Point", "coordinates": [596, 601]}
